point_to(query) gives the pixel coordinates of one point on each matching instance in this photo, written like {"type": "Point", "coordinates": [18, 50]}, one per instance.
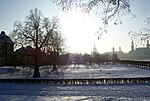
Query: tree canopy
{"type": "Point", "coordinates": [142, 35]}
{"type": "Point", "coordinates": [39, 32]}
{"type": "Point", "coordinates": [108, 10]}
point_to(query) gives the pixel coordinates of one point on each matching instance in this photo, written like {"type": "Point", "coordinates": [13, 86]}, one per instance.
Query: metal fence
{"type": "Point", "coordinates": [78, 81]}
{"type": "Point", "coordinates": [139, 64]}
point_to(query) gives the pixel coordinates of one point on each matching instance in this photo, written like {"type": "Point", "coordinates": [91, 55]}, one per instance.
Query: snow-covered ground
{"type": "Point", "coordinates": [40, 92]}
{"type": "Point", "coordinates": [103, 92]}
{"type": "Point", "coordinates": [104, 71]}
{"type": "Point", "coordinates": [75, 72]}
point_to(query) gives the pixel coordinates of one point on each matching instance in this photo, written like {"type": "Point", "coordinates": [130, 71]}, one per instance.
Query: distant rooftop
{"type": "Point", "coordinates": [23, 49]}
{"type": "Point", "coordinates": [4, 38]}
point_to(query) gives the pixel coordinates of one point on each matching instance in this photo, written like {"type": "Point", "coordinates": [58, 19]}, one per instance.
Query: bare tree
{"type": "Point", "coordinates": [143, 35]}
{"type": "Point", "coordinates": [109, 10]}
{"type": "Point", "coordinates": [55, 48]}
{"type": "Point", "coordinates": [36, 31]}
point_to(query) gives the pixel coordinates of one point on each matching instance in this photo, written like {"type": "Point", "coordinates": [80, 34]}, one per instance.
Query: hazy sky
{"type": "Point", "coordinates": [77, 27]}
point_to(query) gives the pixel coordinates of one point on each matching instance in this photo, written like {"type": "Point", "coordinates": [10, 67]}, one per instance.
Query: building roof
{"type": "Point", "coordinates": [4, 38]}
{"type": "Point", "coordinates": [25, 49]}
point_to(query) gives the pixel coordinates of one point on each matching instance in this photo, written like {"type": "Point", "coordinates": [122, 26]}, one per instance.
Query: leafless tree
{"type": "Point", "coordinates": [36, 31]}
{"type": "Point", "coordinates": [56, 43]}
{"type": "Point", "coordinates": [109, 10]}
{"type": "Point", "coordinates": [56, 47]}
{"type": "Point", "coordinates": [143, 35]}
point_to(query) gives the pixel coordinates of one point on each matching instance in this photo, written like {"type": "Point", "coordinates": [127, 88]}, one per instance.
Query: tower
{"type": "Point", "coordinates": [132, 46]}
{"type": "Point", "coordinates": [94, 52]}
{"type": "Point", "coordinates": [6, 49]}
{"type": "Point", "coordinates": [147, 44]}
{"type": "Point", "coordinates": [94, 49]}
{"type": "Point", "coordinates": [120, 49]}
{"type": "Point", "coordinates": [113, 49]}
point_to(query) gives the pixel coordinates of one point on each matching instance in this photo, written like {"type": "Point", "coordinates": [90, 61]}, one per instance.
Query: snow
{"type": "Point", "coordinates": [103, 92]}
{"type": "Point", "coordinates": [75, 72]}
{"type": "Point", "coordinates": [45, 92]}
{"type": "Point", "coordinates": [105, 71]}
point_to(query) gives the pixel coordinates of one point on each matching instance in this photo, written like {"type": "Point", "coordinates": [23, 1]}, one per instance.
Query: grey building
{"type": "Point", "coordinates": [24, 56]}
{"type": "Point", "coordinates": [6, 49]}
{"type": "Point", "coordinates": [141, 53]}
{"type": "Point", "coordinates": [121, 55]}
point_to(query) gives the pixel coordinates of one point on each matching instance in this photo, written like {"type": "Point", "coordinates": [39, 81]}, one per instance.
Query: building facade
{"type": "Point", "coordinates": [6, 49]}
{"type": "Point", "coordinates": [140, 53]}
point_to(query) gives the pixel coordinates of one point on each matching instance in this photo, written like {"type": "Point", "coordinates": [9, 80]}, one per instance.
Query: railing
{"type": "Point", "coordinates": [78, 81]}
{"type": "Point", "coordinates": [139, 64]}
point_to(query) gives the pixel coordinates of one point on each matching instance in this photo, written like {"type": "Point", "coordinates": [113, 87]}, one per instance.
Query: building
{"type": "Point", "coordinates": [6, 49]}
{"type": "Point", "coordinates": [140, 53]}
{"type": "Point", "coordinates": [24, 56]}
{"type": "Point", "coordinates": [94, 52]}
{"type": "Point", "coordinates": [121, 55]}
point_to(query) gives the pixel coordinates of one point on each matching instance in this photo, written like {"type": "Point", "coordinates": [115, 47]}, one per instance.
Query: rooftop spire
{"type": "Point", "coordinates": [120, 49]}
{"type": "Point", "coordinates": [147, 44]}
{"type": "Point", "coordinates": [132, 46]}
{"type": "Point", "coordinates": [94, 49]}
{"type": "Point", "coordinates": [113, 49]}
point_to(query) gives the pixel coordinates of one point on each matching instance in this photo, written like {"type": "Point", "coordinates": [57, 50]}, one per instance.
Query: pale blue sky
{"type": "Point", "coordinates": [77, 40]}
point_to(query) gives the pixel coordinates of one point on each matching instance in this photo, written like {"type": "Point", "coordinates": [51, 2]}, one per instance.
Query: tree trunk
{"type": "Point", "coordinates": [36, 64]}
{"type": "Point", "coordinates": [36, 72]}
{"type": "Point", "coordinates": [54, 68]}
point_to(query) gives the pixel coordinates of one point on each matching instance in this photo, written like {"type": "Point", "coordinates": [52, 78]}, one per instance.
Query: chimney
{"type": "Point", "coordinates": [147, 44]}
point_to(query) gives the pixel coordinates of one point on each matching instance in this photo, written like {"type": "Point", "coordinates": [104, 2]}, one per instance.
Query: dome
{"type": "Point", "coordinates": [3, 33]}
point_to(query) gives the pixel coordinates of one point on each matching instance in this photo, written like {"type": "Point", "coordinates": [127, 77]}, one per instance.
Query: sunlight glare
{"type": "Point", "coordinates": [79, 31]}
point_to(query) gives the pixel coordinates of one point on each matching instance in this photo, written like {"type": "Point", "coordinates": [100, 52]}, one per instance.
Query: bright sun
{"type": "Point", "coordinates": [79, 31]}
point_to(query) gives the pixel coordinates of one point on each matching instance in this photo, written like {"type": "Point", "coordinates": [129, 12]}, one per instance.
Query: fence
{"type": "Point", "coordinates": [139, 64]}
{"type": "Point", "coordinates": [78, 81]}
